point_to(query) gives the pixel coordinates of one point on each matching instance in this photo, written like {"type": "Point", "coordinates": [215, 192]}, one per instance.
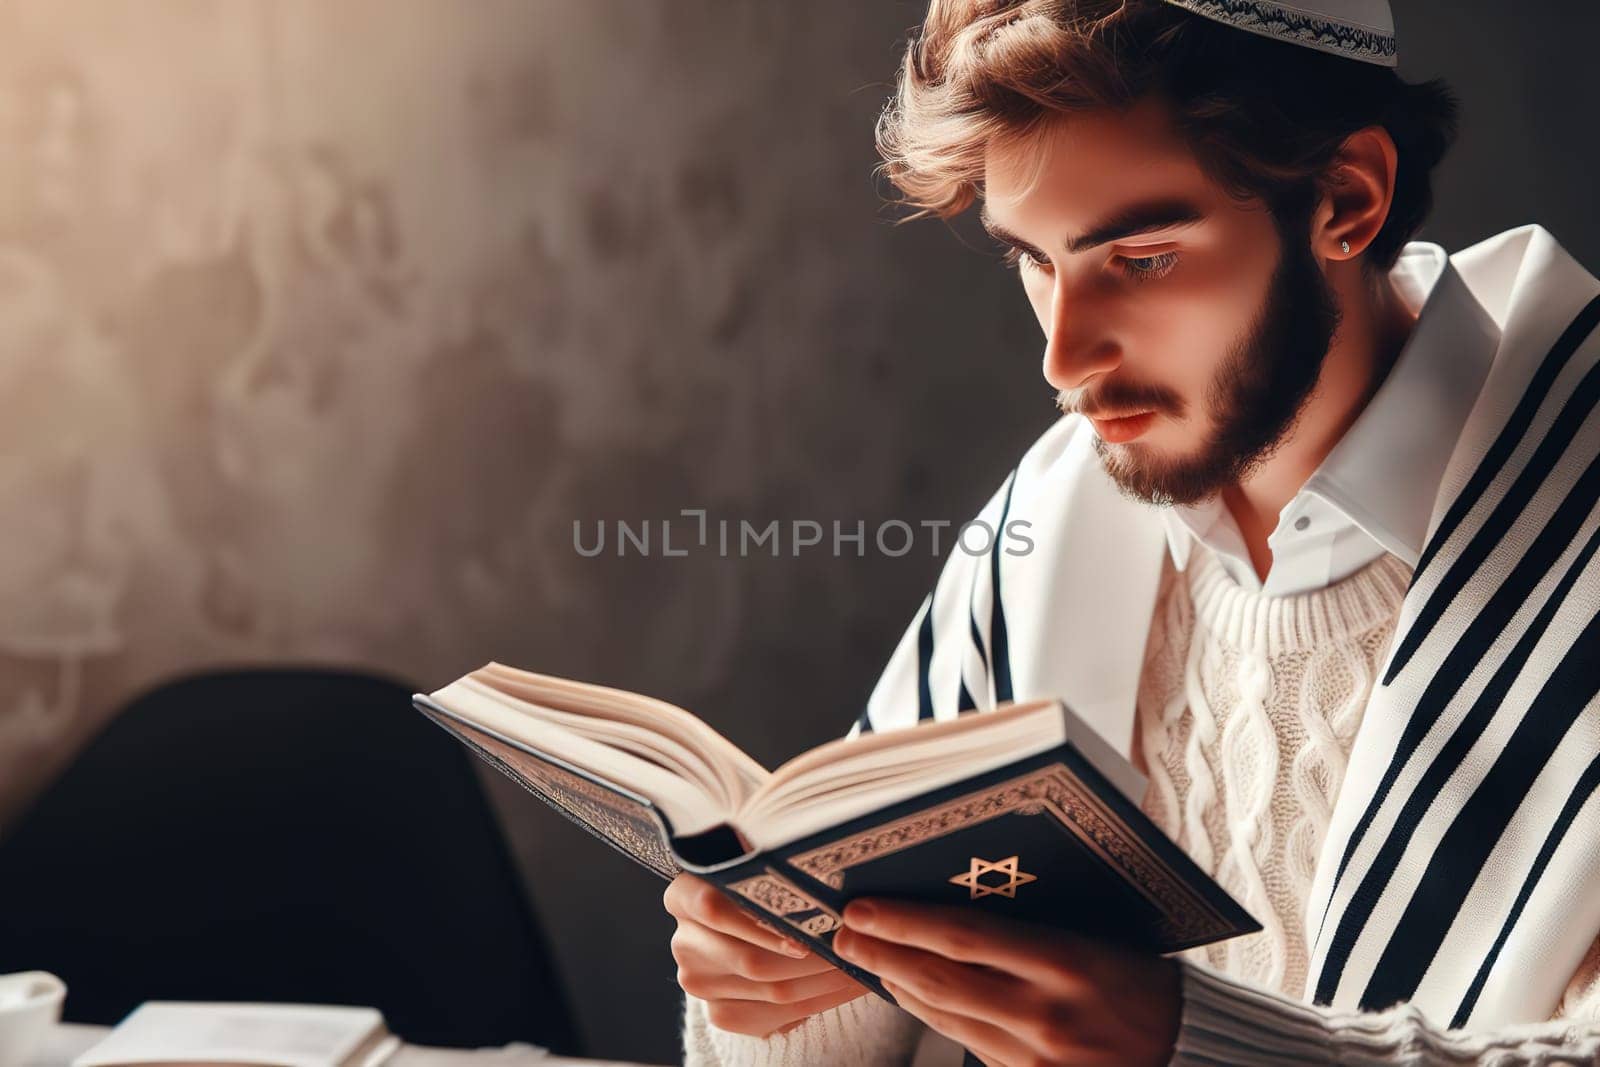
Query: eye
{"type": "Point", "coordinates": [1145, 268]}
{"type": "Point", "coordinates": [1015, 256]}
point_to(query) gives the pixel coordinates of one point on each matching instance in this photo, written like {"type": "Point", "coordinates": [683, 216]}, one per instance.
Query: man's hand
{"type": "Point", "coordinates": [1018, 995]}
{"type": "Point", "coordinates": [754, 981]}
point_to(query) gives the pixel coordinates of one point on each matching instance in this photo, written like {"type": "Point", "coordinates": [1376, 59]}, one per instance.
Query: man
{"type": "Point", "coordinates": [1313, 545]}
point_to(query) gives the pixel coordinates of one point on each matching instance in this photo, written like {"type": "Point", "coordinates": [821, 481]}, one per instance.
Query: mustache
{"type": "Point", "coordinates": [1110, 399]}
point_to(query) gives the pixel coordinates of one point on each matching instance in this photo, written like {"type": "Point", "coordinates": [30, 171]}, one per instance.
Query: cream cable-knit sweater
{"type": "Point", "coordinates": [1250, 704]}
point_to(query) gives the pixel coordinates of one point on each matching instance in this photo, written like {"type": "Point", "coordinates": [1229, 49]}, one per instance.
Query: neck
{"type": "Point", "coordinates": [1373, 327]}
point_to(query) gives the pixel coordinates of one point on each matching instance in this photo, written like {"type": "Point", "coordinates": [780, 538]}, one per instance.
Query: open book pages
{"type": "Point", "coordinates": [700, 780]}
{"type": "Point", "coordinates": [282, 1035]}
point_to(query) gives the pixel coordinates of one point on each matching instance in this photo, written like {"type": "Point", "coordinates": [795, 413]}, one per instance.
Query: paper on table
{"type": "Point", "coordinates": [281, 1035]}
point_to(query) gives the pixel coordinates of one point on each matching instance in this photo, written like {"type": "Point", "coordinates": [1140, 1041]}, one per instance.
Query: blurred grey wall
{"type": "Point", "coordinates": [321, 324]}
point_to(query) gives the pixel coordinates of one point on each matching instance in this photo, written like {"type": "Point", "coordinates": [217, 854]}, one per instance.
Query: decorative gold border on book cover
{"type": "Point", "coordinates": [605, 812]}
{"type": "Point", "coordinates": [1185, 915]}
{"type": "Point", "coordinates": [775, 893]}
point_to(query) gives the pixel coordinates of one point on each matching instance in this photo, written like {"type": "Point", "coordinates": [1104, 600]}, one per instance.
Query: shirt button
{"type": "Point", "coordinates": [1302, 522]}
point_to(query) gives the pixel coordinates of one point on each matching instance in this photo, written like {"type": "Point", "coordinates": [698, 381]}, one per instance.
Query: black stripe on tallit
{"type": "Point", "coordinates": [1587, 783]}
{"type": "Point", "coordinates": [964, 701]}
{"type": "Point", "coordinates": [1001, 666]}
{"type": "Point", "coordinates": [1482, 821]}
{"type": "Point", "coordinates": [1445, 763]}
{"type": "Point", "coordinates": [925, 661]}
{"type": "Point", "coordinates": [1552, 540]}
{"type": "Point", "coordinates": [1417, 727]}
{"type": "Point", "coordinates": [1573, 414]}
{"type": "Point", "coordinates": [1511, 433]}
{"type": "Point", "coordinates": [977, 641]}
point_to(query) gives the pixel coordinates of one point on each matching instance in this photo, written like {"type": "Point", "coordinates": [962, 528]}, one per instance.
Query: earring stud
{"type": "Point", "coordinates": [1344, 246]}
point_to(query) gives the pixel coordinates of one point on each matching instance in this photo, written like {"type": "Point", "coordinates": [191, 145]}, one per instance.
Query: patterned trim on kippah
{"type": "Point", "coordinates": [1294, 27]}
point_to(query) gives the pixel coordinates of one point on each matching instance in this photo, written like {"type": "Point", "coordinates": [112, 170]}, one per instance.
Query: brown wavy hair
{"type": "Point", "coordinates": [1264, 118]}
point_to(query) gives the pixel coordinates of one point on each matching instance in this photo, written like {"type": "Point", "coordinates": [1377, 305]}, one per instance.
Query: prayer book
{"type": "Point", "coordinates": [280, 1035]}
{"type": "Point", "coordinates": [1023, 811]}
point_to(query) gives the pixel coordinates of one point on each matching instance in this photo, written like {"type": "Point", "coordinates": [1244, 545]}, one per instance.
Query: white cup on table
{"type": "Point", "coordinates": [30, 1006]}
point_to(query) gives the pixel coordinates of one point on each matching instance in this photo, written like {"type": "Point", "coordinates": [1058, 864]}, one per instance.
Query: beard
{"type": "Point", "coordinates": [1253, 401]}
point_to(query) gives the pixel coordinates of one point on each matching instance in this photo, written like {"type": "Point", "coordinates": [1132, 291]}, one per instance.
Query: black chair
{"type": "Point", "coordinates": [293, 836]}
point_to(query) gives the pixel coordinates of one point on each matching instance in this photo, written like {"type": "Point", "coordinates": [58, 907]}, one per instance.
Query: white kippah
{"type": "Point", "coordinates": [1356, 29]}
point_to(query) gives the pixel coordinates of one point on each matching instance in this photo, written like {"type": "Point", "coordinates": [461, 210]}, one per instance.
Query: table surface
{"type": "Point", "coordinates": [68, 1040]}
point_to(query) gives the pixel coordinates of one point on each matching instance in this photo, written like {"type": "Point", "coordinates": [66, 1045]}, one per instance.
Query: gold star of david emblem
{"type": "Point", "coordinates": [1007, 867]}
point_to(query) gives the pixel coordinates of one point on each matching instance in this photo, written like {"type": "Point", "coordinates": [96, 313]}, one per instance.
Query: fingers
{"type": "Point", "coordinates": [788, 991]}
{"type": "Point", "coordinates": [988, 1042]}
{"type": "Point", "coordinates": [701, 949]}
{"type": "Point", "coordinates": [970, 936]}
{"type": "Point", "coordinates": [697, 900]}
{"type": "Point", "coordinates": [759, 1020]}
{"type": "Point", "coordinates": [750, 984]}
{"type": "Point", "coordinates": [942, 982]}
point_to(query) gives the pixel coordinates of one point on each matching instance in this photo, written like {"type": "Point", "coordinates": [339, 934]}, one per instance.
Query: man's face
{"type": "Point", "coordinates": [1159, 293]}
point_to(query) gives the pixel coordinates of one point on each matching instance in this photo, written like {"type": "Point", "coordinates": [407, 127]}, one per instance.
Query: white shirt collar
{"type": "Point", "coordinates": [1374, 492]}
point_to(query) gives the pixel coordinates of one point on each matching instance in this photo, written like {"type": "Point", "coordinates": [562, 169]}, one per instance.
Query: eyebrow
{"type": "Point", "coordinates": [1131, 221]}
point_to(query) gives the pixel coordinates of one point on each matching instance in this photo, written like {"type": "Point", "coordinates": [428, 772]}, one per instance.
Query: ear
{"type": "Point", "coordinates": [1357, 191]}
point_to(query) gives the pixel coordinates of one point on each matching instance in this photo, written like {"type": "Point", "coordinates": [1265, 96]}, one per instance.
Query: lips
{"type": "Point", "coordinates": [1119, 431]}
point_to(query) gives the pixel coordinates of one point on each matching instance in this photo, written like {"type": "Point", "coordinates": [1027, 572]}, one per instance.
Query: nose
{"type": "Point", "coordinates": [1078, 345]}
